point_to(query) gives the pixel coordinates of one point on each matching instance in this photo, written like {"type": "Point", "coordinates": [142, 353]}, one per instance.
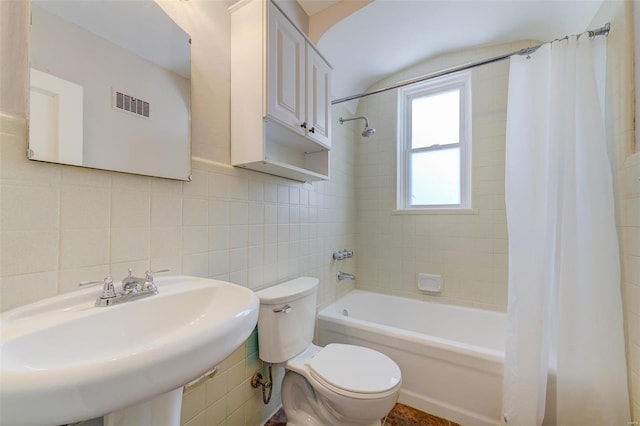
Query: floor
{"type": "Point", "coordinates": [401, 415]}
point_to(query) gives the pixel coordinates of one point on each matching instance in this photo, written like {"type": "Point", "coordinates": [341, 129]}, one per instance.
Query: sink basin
{"type": "Point", "coordinates": [64, 360]}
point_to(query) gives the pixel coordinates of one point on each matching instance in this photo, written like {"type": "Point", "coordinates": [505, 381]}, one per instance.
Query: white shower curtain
{"type": "Point", "coordinates": [565, 360]}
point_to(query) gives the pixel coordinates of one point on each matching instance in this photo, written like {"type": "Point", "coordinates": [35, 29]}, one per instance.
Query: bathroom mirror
{"type": "Point", "coordinates": [110, 87]}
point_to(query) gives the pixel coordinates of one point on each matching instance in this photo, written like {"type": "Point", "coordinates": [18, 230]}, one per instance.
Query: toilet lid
{"type": "Point", "coordinates": [355, 369]}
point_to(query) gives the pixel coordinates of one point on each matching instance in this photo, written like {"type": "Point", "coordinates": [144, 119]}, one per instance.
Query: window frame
{"type": "Point", "coordinates": [462, 82]}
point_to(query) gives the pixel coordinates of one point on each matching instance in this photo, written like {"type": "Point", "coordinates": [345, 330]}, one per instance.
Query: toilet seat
{"type": "Point", "coordinates": [355, 371]}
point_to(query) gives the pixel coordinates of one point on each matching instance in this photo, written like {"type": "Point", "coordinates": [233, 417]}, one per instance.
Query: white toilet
{"type": "Point", "coordinates": [336, 385]}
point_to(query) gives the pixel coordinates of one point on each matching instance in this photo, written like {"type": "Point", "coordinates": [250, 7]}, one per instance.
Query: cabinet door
{"type": "Point", "coordinates": [318, 104]}
{"type": "Point", "coordinates": [285, 79]}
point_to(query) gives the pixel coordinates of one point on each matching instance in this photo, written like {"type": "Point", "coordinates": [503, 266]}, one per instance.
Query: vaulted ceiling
{"type": "Point", "coordinates": [385, 36]}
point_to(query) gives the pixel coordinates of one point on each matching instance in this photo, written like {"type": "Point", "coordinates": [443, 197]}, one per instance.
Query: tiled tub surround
{"type": "Point", "coordinates": [469, 250]}
{"type": "Point", "coordinates": [60, 225]}
{"type": "Point", "coordinates": [631, 253]}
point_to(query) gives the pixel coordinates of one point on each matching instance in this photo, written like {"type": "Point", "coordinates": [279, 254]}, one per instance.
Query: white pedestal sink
{"type": "Point", "coordinates": [64, 360]}
{"type": "Point", "coordinates": [162, 410]}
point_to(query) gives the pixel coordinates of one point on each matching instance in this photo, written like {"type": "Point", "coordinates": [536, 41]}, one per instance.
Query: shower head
{"type": "Point", "coordinates": [367, 132]}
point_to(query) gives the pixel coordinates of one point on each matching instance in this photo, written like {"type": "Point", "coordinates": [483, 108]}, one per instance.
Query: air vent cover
{"type": "Point", "coordinates": [131, 104]}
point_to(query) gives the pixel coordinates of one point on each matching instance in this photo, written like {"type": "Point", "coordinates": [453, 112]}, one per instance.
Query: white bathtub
{"type": "Point", "coordinates": [451, 357]}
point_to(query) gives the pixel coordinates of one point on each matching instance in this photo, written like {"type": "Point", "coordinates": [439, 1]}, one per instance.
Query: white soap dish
{"type": "Point", "coordinates": [430, 283]}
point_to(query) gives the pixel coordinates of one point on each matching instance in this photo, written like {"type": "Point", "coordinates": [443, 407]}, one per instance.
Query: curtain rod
{"type": "Point", "coordinates": [602, 31]}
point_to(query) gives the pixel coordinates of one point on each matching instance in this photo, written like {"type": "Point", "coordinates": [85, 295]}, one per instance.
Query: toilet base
{"type": "Point", "coordinates": [305, 407]}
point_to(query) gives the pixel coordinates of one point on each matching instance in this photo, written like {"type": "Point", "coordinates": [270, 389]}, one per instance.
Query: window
{"type": "Point", "coordinates": [434, 144]}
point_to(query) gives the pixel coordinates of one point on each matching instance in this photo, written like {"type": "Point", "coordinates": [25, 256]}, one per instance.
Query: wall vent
{"type": "Point", "coordinates": [131, 104]}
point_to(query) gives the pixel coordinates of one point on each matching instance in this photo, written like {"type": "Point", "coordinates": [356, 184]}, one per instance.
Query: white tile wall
{"type": "Point", "coordinates": [631, 274]}
{"type": "Point", "coordinates": [60, 225]}
{"type": "Point", "coordinates": [468, 250]}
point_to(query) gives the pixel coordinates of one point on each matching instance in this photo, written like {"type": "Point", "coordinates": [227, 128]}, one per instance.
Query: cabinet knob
{"type": "Point", "coordinates": [312, 130]}
{"type": "Point", "coordinates": [304, 125]}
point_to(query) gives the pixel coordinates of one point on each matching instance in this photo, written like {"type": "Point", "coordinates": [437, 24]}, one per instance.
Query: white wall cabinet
{"type": "Point", "coordinates": [318, 103]}
{"type": "Point", "coordinates": [280, 84]}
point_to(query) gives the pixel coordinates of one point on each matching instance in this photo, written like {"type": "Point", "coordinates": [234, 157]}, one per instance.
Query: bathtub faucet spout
{"type": "Point", "coordinates": [345, 276]}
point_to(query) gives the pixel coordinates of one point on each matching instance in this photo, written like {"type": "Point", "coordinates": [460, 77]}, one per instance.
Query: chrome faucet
{"type": "Point", "coordinates": [133, 288]}
{"type": "Point", "coordinates": [131, 284]}
{"type": "Point", "coordinates": [345, 276]}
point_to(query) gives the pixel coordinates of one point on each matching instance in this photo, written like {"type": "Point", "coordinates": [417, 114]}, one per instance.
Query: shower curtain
{"type": "Point", "coordinates": [565, 361]}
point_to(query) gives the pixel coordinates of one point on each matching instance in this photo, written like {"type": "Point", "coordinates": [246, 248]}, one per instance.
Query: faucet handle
{"type": "Point", "coordinates": [90, 283]}
{"type": "Point", "coordinates": [342, 254]}
{"type": "Point", "coordinates": [108, 291]}
{"type": "Point", "coordinates": [149, 285]}
{"type": "Point", "coordinates": [149, 274]}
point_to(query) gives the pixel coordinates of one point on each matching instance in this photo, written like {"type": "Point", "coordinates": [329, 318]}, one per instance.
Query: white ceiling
{"type": "Point", "coordinates": [388, 35]}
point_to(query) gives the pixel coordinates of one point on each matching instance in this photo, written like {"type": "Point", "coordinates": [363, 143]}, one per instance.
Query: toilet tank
{"type": "Point", "coordinates": [287, 318]}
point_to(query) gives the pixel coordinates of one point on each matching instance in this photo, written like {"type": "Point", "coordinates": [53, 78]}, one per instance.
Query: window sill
{"type": "Point", "coordinates": [435, 211]}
